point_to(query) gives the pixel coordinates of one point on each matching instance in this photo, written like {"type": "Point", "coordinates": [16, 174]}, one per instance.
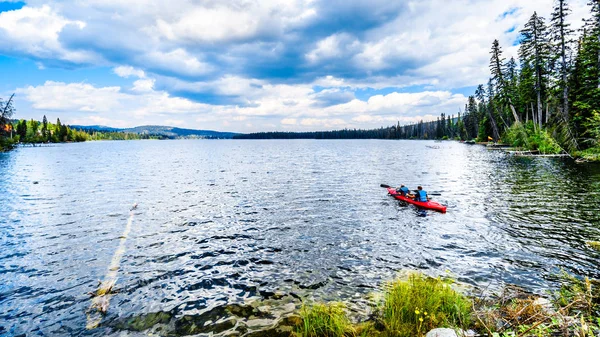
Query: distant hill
{"type": "Point", "coordinates": [159, 130]}
{"type": "Point", "coordinates": [95, 127]}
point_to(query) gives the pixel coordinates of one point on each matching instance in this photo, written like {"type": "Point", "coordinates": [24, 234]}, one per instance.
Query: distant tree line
{"type": "Point", "coordinates": [33, 132]}
{"type": "Point", "coordinates": [445, 127]}
{"type": "Point", "coordinates": [547, 100]}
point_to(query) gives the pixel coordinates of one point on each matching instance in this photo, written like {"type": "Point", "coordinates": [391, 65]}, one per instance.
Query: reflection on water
{"type": "Point", "coordinates": [222, 223]}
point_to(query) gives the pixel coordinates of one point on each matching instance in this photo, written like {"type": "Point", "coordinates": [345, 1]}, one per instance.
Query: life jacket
{"type": "Point", "coordinates": [403, 190]}
{"type": "Point", "coordinates": [421, 196]}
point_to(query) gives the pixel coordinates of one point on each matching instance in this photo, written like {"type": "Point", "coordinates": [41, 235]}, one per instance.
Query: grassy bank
{"type": "Point", "coordinates": [414, 305]}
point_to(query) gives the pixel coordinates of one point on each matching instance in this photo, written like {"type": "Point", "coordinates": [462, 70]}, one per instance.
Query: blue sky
{"type": "Point", "coordinates": [247, 66]}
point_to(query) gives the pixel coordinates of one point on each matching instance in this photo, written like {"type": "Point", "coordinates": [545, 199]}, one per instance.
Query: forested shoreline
{"type": "Point", "coordinates": [548, 100]}
{"type": "Point", "coordinates": [36, 132]}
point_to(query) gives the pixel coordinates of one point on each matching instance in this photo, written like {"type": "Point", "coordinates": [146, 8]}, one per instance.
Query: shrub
{"type": "Point", "coordinates": [516, 136]}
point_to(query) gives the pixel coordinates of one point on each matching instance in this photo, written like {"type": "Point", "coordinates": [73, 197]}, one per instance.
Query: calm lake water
{"type": "Point", "coordinates": [220, 224]}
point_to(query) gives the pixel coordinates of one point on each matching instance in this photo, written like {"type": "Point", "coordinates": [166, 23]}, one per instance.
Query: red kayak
{"type": "Point", "coordinates": [428, 204]}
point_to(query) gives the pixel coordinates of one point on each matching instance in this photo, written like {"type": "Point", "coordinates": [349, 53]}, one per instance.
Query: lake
{"type": "Point", "coordinates": [222, 223]}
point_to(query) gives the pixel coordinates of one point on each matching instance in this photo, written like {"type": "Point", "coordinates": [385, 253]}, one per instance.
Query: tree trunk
{"type": "Point", "coordinates": [565, 108]}
{"type": "Point", "coordinates": [598, 25]}
{"type": "Point", "coordinates": [533, 116]}
{"type": "Point", "coordinates": [514, 112]}
{"type": "Point", "coordinates": [539, 108]}
{"type": "Point", "coordinates": [495, 132]}
{"type": "Point", "coordinates": [538, 77]}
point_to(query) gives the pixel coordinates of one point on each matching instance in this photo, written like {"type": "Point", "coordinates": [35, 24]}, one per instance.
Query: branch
{"type": "Point", "coordinates": [8, 103]}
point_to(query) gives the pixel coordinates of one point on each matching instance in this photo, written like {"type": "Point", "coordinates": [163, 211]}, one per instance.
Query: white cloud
{"type": "Point", "coordinates": [237, 54]}
{"type": "Point", "coordinates": [35, 31]}
{"type": "Point", "coordinates": [111, 103]}
{"type": "Point", "coordinates": [177, 61]}
{"type": "Point", "coordinates": [270, 104]}
{"type": "Point", "coordinates": [144, 85]}
{"type": "Point", "coordinates": [126, 71]}
{"type": "Point", "coordinates": [176, 122]}
{"type": "Point", "coordinates": [324, 122]}
{"type": "Point", "coordinates": [289, 121]}
{"type": "Point", "coordinates": [333, 46]}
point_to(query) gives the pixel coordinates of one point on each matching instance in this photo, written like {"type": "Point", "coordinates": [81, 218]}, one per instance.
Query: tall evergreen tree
{"type": "Point", "coordinates": [535, 49]}
{"type": "Point", "coordinates": [496, 68]}
{"type": "Point", "coordinates": [490, 110]}
{"type": "Point", "coordinates": [45, 128]}
{"type": "Point", "coordinates": [22, 130]}
{"type": "Point", "coordinates": [6, 111]}
{"type": "Point", "coordinates": [594, 24]}
{"type": "Point", "coordinates": [561, 38]}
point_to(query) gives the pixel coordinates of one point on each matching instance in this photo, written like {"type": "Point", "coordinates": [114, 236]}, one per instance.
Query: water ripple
{"type": "Point", "coordinates": [222, 223]}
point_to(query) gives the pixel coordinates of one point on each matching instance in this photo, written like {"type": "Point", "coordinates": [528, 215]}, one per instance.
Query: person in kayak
{"type": "Point", "coordinates": [403, 190]}
{"type": "Point", "coordinates": [421, 195]}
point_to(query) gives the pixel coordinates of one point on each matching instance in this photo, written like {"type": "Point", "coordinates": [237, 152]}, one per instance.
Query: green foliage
{"type": "Point", "coordinates": [410, 307]}
{"type": "Point", "coordinates": [516, 136]}
{"type": "Point", "coordinates": [578, 296]}
{"type": "Point", "coordinates": [420, 303]}
{"type": "Point", "coordinates": [30, 132]}
{"type": "Point", "coordinates": [542, 141]}
{"type": "Point", "coordinates": [592, 125]}
{"type": "Point", "coordinates": [528, 137]}
{"type": "Point", "coordinates": [325, 320]}
{"type": "Point", "coordinates": [6, 143]}
{"type": "Point", "coordinates": [591, 154]}
{"type": "Point", "coordinates": [483, 133]}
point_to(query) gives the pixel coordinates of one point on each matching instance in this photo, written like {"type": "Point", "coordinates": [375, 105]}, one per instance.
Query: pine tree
{"type": "Point", "coordinates": [561, 39]}
{"type": "Point", "coordinates": [496, 68]}
{"type": "Point", "coordinates": [45, 128]}
{"type": "Point", "coordinates": [6, 111]}
{"type": "Point", "coordinates": [594, 23]}
{"type": "Point", "coordinates": [490, 110]}
{"type": "Point", "coordinates": [22, 130]}
{"type": "Point", "coordinates": [535, 50]}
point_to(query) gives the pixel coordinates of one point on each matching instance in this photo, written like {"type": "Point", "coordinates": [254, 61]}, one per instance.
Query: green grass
{"type": "Point", "coordinates": [420, 303]}
{"type": "Point", "coordinates": [410, 307]}
{"type": "Point", "coordinates": [327, 320]}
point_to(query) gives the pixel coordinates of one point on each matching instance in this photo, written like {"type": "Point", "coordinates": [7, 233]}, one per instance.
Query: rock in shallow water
{"type": "Point", "coordinates": [441, 332]}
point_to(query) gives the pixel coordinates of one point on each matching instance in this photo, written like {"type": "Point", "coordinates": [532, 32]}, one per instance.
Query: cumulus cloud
{"type": "Point", "coordinates": [34, 31]}
{"type": "Point", "coordinates": [295, 64]}
{"type": "Point", "coordinates": [70, 98]}
{"type": "Point", "coordinates": [126, 71]}
{"type": "Point", "coordinates": [79, 102]}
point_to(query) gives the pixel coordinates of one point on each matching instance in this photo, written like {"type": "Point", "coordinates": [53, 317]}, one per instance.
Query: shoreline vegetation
{"type": "Point", "coordinates": [416, 304]}
{"type": "Point", "coordinates": [32, 132]}
{"type": "Point", "coordinates": [412, 305]}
